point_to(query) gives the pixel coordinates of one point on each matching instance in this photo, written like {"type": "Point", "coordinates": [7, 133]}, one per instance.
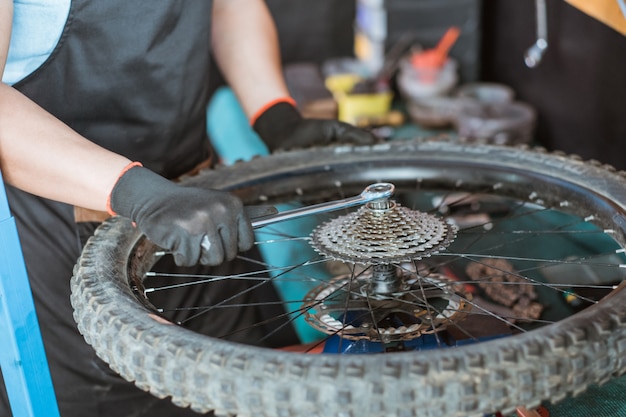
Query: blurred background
{"type": "Point", "coordinates": [573, 99]}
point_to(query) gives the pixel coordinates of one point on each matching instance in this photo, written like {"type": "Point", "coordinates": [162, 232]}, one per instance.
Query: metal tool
{"type": "Point", "coordinates": [535, 53]}
{"type": "Point", "coordinates": [378, 191]}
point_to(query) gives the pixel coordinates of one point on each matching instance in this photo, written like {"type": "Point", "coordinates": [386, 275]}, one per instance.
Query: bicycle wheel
{"type": "Point", "coordinates": [518, 300]}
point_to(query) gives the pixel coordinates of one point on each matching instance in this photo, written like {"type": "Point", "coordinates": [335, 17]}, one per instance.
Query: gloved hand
{"type": "Point", "coordinates": [197, 225]}
{"type": "Point", "coordinates": [282, 126]}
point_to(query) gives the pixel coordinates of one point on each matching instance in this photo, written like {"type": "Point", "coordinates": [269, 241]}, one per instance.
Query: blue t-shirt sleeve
{"type": "Point", "coordinates": [36, 30]}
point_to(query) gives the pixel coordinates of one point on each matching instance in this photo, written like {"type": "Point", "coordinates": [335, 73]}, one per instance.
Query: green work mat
{"type": "Point", "coordinates": [608, 400]}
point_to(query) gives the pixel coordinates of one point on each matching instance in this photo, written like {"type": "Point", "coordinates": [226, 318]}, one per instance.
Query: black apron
{"type": "Point", "coordinates": [132, 76]}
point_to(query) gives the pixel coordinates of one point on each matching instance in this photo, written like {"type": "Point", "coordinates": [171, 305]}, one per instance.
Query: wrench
{"type": "Point", "coordinates": [373, 192]}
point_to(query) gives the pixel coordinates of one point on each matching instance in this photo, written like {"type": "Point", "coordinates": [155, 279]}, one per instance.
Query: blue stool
{"type": "Point", "coordinates": [22, 357]}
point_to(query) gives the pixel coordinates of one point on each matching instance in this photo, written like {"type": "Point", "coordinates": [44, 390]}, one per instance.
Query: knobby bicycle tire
{"type": "Point", "coordinates": [207, 373]}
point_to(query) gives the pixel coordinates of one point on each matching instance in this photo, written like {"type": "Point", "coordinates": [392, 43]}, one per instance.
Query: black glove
{"type": "Point", "coordinates": [282, 127]}
{"type": "Point", "coordinates": [197, 225]}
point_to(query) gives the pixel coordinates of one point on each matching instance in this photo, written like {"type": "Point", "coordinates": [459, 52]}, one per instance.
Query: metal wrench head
{"type": "Point", "coordinates": [378, 191]}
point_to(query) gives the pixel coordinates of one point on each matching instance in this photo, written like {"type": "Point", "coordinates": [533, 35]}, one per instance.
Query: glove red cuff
{"type": "Point", "coordinates": [277, 123]}
{"type": "Point", "coordinates": [270, 104]}
{"type": "Point", "coordinates": [124, 171]}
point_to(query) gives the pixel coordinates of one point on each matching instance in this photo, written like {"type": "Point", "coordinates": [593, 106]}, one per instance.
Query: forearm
{"type": "Point", "coordinates": [41, 155]}
{"type": "Point", "coordinates": [245, 45]}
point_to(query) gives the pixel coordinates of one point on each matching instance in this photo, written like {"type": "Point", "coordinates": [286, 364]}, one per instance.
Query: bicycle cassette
{"type": "Point", "coordinates": [385, 234]}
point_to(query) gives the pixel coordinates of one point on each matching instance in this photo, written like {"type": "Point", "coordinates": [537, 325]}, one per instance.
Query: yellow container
{"type": "Point", "coordinates": [341, 83]}
{"type": "Point", "coordinates": [352, 107]}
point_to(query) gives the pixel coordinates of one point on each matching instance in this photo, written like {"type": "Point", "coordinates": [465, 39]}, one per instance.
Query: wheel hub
{"type": "Point", "coordinates": [382, 302]}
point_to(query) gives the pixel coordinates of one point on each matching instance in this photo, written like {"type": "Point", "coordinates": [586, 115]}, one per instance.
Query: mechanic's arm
{"type": "Point", "coordinates": [245, 44]}
{"type": "Point", "coordinates": [41, 155]}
